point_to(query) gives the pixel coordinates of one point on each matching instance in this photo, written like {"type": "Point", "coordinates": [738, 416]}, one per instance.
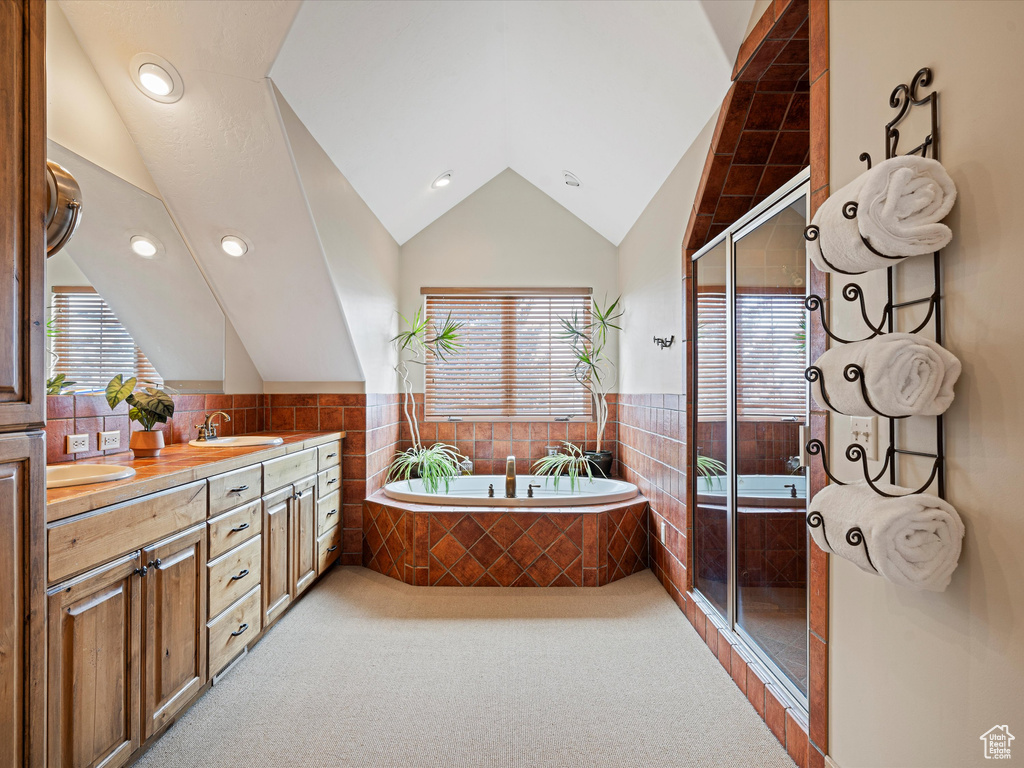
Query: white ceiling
{"type": "Point", "coordinates": [398, 92]}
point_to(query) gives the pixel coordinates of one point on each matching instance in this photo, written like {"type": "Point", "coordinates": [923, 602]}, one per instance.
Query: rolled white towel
{"type": "Point", "coordinates": [913, 540]}
{"type": "Point", "coordinates": [904, 375]}
{"type": "Point", "coordinates": [900, 203]}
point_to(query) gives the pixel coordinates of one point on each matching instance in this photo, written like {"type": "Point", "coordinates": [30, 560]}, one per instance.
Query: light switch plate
{"type": "Point", "coordinates": [864, 432]}
{"type": "Point", "coordinates": [78, 443]}
{"type": "Point", "coordinates": [109, 440]}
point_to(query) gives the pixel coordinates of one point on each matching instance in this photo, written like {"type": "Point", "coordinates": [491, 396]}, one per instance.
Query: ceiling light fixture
{"type": "Point", "coordinates": [442, 181]}
{"type": "Point", "coordinates": [233, 245]}
{"type": "Point", "coordinates": [143, 246]}
{"type": "Point", "coordinates": [571, 179]}
{"type": "Point", "coordinates": [156, 77]}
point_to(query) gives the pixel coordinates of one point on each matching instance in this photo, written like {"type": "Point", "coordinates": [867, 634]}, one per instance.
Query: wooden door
{"type": "Point", "coordinates": [303, 525]}
{"type": "Point", "coordinates": [22, 600]}
{"type": "Point", "coordinates": [174, 626]}
{"type": "Point", "coordinates": [94, 667]}
{"type": "Point", "coordinates": [277, 554]}
{"type": "Point", "coordinates": [22, 203]}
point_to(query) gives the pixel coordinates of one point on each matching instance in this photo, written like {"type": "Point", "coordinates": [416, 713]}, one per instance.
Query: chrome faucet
{"type": "Point", "coordinates": [208, 430]}
{"type": "Point", "coordinates": [510, 477]}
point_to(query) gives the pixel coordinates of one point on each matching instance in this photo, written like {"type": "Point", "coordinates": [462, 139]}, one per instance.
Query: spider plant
{"type": "Point", "coordinates": [709, 468]}
{"type": "Point", "coordinates": [572, 463]}
{"type": "Point", "coordinates": [589, 339]}
{"type": "Point", "coordinates": [435, 465]}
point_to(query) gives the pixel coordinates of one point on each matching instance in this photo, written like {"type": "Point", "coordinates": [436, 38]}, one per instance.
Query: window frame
{"type": "Point", "coordinates": [508, 369]}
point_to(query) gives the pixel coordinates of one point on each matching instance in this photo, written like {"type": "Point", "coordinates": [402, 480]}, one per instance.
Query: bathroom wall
{"type": "Point", "coordinates": [917, 678]}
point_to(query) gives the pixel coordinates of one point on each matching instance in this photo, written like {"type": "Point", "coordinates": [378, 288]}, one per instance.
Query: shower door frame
{"type": "Point", "coordinates": [797, 187]}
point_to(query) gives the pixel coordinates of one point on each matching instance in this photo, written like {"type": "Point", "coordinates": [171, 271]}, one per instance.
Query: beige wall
{"type": "Point", "coordinates": [650, 278]}
{"type": "Point", "coordinates": [917, 678]}
{"type": "Point", "coordinates": [508, 233]}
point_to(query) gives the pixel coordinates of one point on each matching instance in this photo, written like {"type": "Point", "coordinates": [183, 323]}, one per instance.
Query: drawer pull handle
{"type": "Point", "coordinates": [331, 549]}
{"type": "Point", "coordinates": [331, 455]}
{"type": "Point", "coordinates": [332, 512]}
{"type": "Point", "coordinates": [241, 527]}
{"type": "Point", "coordinates": [241, 629]}
{"type": "Point", "coordinates": [244, 572]}
{"type": "Point", "coordinates": [239, 489]}
{"type": "Point", "coordinates": [142, 571]}
{"type": "Point", "coordinates": [154, 563]}
{"type": "Point", "coordinates": [332, 481]}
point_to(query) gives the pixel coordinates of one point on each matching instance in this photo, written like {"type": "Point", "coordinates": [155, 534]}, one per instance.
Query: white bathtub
{"type": "Point", "coordinates": [472, 490]}
{"type": "Point", "coordinates": [755, 489]}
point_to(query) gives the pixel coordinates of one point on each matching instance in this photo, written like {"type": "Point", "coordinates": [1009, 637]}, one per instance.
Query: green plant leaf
{"type": "Point", "coordinates": [155, 403]}
{"type": "Point", "coordinates": [119, 390]}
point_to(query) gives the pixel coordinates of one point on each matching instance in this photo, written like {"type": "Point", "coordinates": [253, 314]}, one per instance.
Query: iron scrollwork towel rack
{"type": "Point", "coordinates": [903, 98]}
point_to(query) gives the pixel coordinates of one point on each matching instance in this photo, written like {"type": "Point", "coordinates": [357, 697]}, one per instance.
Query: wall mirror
{"type": "Point", "coordinates": [750, 543]}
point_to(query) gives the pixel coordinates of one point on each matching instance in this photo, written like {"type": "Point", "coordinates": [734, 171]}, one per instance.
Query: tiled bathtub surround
{"type": "Point", "coordinates": [489, 443]}
{"type": "Point", "coordinates": [652, 454]}
{"type": "Point", "coordinates": [430, 545]}
{"type": "Point", "coordinates": [90, 414]}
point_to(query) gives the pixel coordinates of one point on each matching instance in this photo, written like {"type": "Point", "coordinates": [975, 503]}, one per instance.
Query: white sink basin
{"type": "Point", "coordinates": [241, 441]}
{"type": "Point", "coordinates": [83, 474]}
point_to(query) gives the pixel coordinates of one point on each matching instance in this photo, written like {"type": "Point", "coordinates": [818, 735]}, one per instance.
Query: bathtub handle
{"type": "Point", "coordinates": [529, 489]}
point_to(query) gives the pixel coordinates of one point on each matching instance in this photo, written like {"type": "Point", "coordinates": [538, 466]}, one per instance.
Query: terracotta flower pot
{"type": "Point", "coordinates": [146, 445]}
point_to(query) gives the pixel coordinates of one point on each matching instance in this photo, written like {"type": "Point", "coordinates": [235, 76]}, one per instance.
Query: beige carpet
{"type": "Point", "coordinates": [366, 672]}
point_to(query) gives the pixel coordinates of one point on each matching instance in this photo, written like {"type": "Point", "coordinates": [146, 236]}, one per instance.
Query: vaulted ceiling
{"type": "Point", "coordinates": [398, 93]}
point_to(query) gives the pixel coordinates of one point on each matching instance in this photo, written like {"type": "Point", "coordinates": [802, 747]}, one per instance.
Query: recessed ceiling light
{"type": "Point", "coordinates": [571, 179]}
{"type": "Point", "coordinates": [442, 181]}
{"type": "Point", "coordinates": [233, 246]}
{"type": "Point", "coordinates": [156, 77]}
{"type": "Point", "coordinates": [143, 246]}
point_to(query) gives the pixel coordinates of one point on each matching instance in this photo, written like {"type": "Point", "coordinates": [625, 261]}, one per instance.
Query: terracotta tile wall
{"type": "Point", "coordinates": [504, 547]}
{"type": "Point", "coordinates": [489, 443]}
{"type": "Point", "coordinates": [764, 446]}
{"type": "Point", "coordinates": [90, 414]}
{"type": "Point", "coordinates": [652, 454]}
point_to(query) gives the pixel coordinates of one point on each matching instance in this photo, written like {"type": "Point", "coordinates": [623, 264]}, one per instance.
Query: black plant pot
{"type": "Point", "coordinates": [600, 462]}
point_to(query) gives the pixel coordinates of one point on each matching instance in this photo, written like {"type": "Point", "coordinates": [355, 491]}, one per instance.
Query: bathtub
{"type": "Point", "coordinates": [472, 490]}
{"type": "Point", "coordinates": [755, 490]}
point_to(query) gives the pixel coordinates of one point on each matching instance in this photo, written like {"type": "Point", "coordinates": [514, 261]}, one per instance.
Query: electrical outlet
{"type": "Point", "coordinates": [662, 531]}
{"type": "Point", "coordinates": [864, 431]}
{"type": "Point", "coordinates": [109, 440]}
{"type": "Point", "coordinates": [78, 443]}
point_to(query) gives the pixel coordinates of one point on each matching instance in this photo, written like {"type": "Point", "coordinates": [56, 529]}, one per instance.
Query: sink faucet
{"type": "Point", "coordinates": [510, 477]}
{"type": "Point", "coordinates": [208, 430]}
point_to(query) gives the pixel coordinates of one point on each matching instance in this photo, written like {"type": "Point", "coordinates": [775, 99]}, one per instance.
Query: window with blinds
{"type": "Point", "coordinates": [770, 356]}
{"type": "Point", "coordinates": [90, 344]}
{"type": "Point", "coordinates": [514, 363]}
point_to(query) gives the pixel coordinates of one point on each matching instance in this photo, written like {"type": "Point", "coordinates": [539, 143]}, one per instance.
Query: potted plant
{"type": "Point", "coordinates": [709, 469]}
{"type": "Point", "coordinates": [573, 462]}
{"type": "Point", "coordinates": [148, 407]}
{"type": "Point", "coordinates": [415, 345]}
{"type": "Point", "coordinates": [593, 369]}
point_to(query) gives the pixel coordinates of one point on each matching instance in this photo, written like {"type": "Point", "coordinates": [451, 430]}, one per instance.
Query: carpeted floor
{"type": "Point", "coordinates": [365, 672]}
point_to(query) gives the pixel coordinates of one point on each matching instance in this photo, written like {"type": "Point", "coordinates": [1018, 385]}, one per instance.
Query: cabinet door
{"type": "Point", "coordinates": [174, 626]}
{"type": "Point", "coordinates": [22, 204]}
{"type": "Point", "coordinates": [277, 555]}
{"type": "Point", "coordinates": [94, 681]}
{"type": "Point", "coordinates": [22, 600]}
{"type": "Point", "coordinates": [304, 532]}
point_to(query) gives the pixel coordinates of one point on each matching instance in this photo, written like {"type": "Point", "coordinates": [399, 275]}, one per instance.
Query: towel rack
{"type": "Point", "coordinates": [904, 98]}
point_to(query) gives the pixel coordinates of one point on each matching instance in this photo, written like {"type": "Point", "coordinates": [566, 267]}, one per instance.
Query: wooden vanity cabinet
{"type": "Point", "coordinates": [95, 674]}
{"type": "Point", "coordinates": [174, 621]}
{"type": "Point", "coordinates": [304, 535]}
{"type": "Point", "coordinates": [277, 555]}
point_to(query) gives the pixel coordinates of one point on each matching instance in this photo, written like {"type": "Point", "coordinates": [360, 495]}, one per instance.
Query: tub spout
{"type": "Point", "coordinates": [510, 477]}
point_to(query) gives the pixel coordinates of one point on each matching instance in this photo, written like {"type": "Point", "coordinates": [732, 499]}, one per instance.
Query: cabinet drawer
{"type": "Point", "coordinates": [328, 481]}
{"type": "Point", "coordinates": [233, 630]}
{"type": "Point", "coordinates": [328, 548]}
{"type": "Point", "coordinates": [328, 512]}
{"type": "Point", "coordinates": [328, 455]}
{"type": "Point", "coordinates": [233, 528]}
{"type": "Point", "coordinates": [279, 472]}
{"type": "Point", "coordinates": [85, 541]}
{"type": "Point", "coordinates": [234, 488]}
{"type": "Point", "coordinates": [234, 574]}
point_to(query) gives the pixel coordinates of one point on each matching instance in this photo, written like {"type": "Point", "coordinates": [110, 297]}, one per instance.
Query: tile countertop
{"type": "Point", "coordinates": [177, 464]}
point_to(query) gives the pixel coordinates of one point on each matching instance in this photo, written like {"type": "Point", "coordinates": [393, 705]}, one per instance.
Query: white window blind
{"type": "Point", "coordinates": [90, 344]}
{"type": "Point", "coordinates": [770, 356]}
{"type": "Point", "coordinates": [514, 362]}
